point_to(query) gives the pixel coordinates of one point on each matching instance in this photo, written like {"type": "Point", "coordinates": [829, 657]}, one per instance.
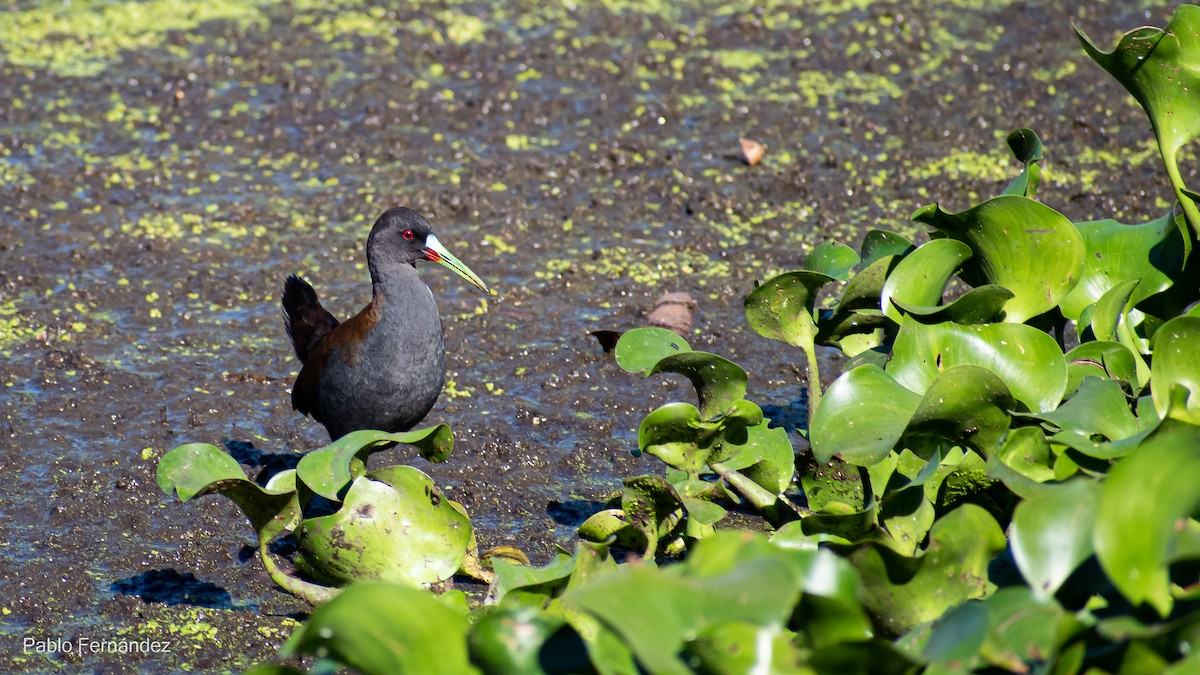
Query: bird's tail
{"type": "Point", "coordinates": [305, 320]}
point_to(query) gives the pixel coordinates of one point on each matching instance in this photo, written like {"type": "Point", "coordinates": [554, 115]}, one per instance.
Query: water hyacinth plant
{"type": "Point", "coordinates": [1021, 408]}
{"type": "Point", "coordinates": [349, 524]}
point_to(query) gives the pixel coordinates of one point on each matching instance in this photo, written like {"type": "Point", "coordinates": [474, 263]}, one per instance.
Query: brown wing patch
{"type": "Point", "coordinates": [346, 339]}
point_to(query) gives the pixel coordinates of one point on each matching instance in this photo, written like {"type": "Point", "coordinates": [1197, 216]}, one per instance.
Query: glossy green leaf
{"type": "Point", "coordinates": [1142, 502]}
{"type": "Point", "coordinates": [978, 305]}
{"type": "Point", "coordinates": [1116, 252]}
{"type": "Point", "coordinates": [1161, 68]}
{"type": "Point", "coordinates": [833, 259]}
{"type": "Point", "coordinates": [964, 406]}
{"type": "Point", "coordinates": [1023, 462]}
{"type": "Point", "coordinates": [767, 457]}
{"type": "Point", "coordinates": [676, 434]}
{"type": "Point", "coordinates": [1019, 244]}
{"type": "Point", "coordinates": [719, 382]}
{"type": "Point", "coordinates": [1027, 360]}
{"type": "Point", "coordinates": [782, 308]}
{"type": "Point", "coordinates": [879, 244]}
{"type": "Point", "coordinates": [1051, 533]}
{"type": "Point", "coordinates": [638, 350]}
{"type": "Point", "coordinates": [198, 469]}
{"type": "Point", "coordinates": [1098, 407]}
{"type": "Point", "coordinates": [861, 417]}
{"type": "Point", "coordinates": [394, 525]}
{"type": "Point", "coordinates": [612, 525]}
{"type": "Point", "coordinates": [1027, 148]}
{"type": "Point", "coordinates": [864, 289]}
{"type": "Point", "coordinates": [1111, 309]}
{"type": "Point", "coordinates": [701, 516]}
{"type": "Point", "coordinates": [920, 278]}
{"type": "Point", "coordinates": [857, 310]}
{"type": "Point", "coordinates": [546, 581]}
{"type": "Point", "coordinates": [1107, 359]}
{"type": "Point", "coordinates": [1176, 362]}
{"type": "Point", "coordinates": [903, 592]}
{"type": "Point", "coordinates": [329, 470]}
{"type": "Point", "coordinates": [383, 629]}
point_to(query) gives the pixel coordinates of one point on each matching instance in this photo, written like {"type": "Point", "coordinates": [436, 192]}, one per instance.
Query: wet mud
{"type": "Point", "coordinates": [164, 165]}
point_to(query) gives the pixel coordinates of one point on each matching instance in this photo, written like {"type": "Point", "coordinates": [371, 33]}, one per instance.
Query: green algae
{"type": "Point", "coordinates": [16, 329]}
{"type": "Point", "coordinates": [82, 38]}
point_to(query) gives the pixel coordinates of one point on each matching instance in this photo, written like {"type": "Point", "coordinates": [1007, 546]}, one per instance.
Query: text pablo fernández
{"type": "Point", "coordinates": [88, 645]}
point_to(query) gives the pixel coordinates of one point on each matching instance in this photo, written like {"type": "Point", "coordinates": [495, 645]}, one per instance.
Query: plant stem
{"type": "Point", "coordinates": [814, 380]}
{"type": "Point", "coordinates": [314, 594]}
{"type": "Point", "coordinates": [756, 494]}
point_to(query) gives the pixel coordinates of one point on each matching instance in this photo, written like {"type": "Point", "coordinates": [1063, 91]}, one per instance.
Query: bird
{"type": "Point", "coordinates": [384, 367]}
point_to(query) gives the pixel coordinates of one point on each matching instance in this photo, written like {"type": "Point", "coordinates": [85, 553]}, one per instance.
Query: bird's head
{"type": "Point", "coordinates": [403, 235]}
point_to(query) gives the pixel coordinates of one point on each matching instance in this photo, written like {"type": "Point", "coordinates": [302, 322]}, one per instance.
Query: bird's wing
{"type": "Point", "coordinates": [306, 321]}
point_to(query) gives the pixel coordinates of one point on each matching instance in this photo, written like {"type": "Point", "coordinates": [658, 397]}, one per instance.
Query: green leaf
{"type": "Point", "coordinates": [1098, 407]}
{"type": "Point", "coordinates": [782, 308]}
{"type": "Point", "coordinates": [863, 289]}
{"type": "Point", "coordinates": [382, 629]}
{"type": "Point", "coordinates": [1106, 359]}
{"type": "Point", "coordinates": [1116, 252]}
{"type": "Point", "coordinates": [879, 244]}
{"type": "Point", "coordinates": [657, 611]}
{"type": "Point", "coordinates": [1111, 309]}
{"type": "Point", "coordinates": [1142, 502]}
{"type": "Point", "coordinates": [964, 406]}
{"type": "Point", "coordinates": [612, 523]}
{"type": "Point", "coordinates": [1161, 68]}
{"type": "Point", "coordinates": [861, 417]}
{"type": "Point", "coordinates": [1113, 318]}
{"type": "Point", "coordinates": [719, 382]}
{"type": "Point", "coordinates": [1051, 533]}
{"type": "Point", "coordinates": [857, 311]}
{"type": "Point", "coordinates": [654, 508]}
{"type": "Point", "coordinates": [545, 581]}
{"type": "Point", "coordinates": [978, 305]}
{"type": "Point", "coordinates": [903, 592]}
{"type": "Point", "coordinates": [676, 434]}
{"type": "Point", "coordinates": [739, 647]}
{"type": "Point", "coordinates": [639, 349]}
{"type": "Point", "coordinates": [957, 636]}
{"type": "Point", "coordinates": [1027, 148]}
{"type": "Point", "coordinates": [1027, 360]}
{"type": "Point", "coordinates": [767, 457]}
{"type": "Point", "coordinates": [525, 640]}
{"type": "Point", "coordinates": [1022, 245]}
{"type": "Point", "coordinates": [198, 469]}
{"type": "Point", "coordinates": [329, 470]}
{"type": "Point", "coordinates": [394, 525]}
{"type": "Point", "coordinates": [833, 259]}
{"type": "Point", "coordinates": [920, 278]}
{"type": "Point", "coordinates": [1176, 362]}
{"type": "Point", "coordinates": [1024, 630]}
{"type": "Point", "coordinates": [1024, 462]}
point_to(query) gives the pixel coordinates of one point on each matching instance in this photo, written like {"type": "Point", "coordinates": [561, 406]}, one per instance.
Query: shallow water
{"type": "Point", "coordinates": [166, 164]}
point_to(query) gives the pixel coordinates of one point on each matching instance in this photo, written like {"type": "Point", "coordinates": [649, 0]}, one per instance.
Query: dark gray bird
{"type": "Point", "coordinates": [384, 367]}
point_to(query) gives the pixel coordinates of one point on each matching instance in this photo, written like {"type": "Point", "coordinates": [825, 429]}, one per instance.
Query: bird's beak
{"type": "Point", "coordinates": [435, 252]}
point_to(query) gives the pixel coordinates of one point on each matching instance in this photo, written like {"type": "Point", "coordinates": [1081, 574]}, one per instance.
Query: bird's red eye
{"type": "Point", "coordinates": [408, 235]}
